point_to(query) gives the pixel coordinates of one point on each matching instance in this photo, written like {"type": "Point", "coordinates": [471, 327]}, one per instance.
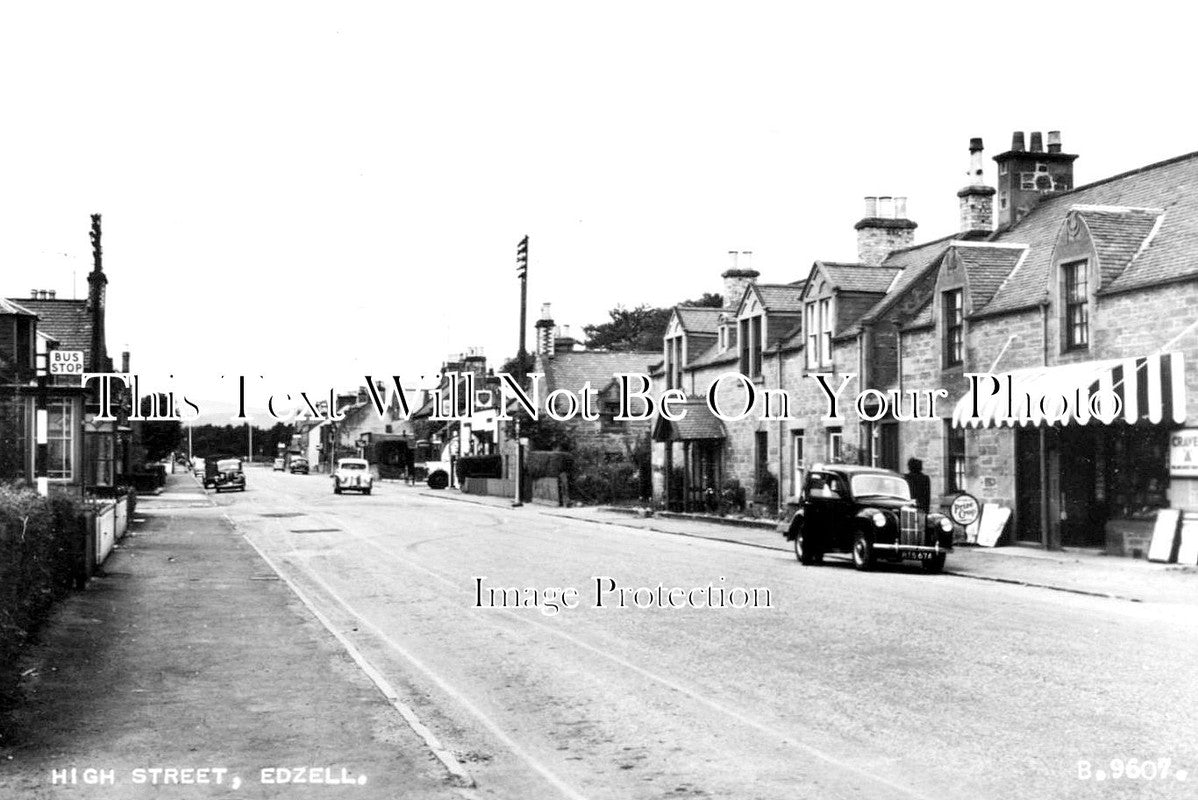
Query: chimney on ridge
{"type": "Point", "coordinates": [884, 229]}
{"type": "Point", "coordinates": [976, 199]}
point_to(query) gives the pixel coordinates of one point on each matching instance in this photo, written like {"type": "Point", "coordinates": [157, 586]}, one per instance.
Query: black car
{"type": "Point", "coordinates": [867, 512]}
{"type": "Point", "coordinates": [224, 475]}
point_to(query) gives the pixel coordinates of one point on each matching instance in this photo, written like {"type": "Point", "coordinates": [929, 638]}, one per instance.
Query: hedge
{"type": "Point", "coordinates": [480, 467]}
{"type": "Point", "coordinates": [548, 463]}
{"type": "Point", "coordinates": [40, 544]}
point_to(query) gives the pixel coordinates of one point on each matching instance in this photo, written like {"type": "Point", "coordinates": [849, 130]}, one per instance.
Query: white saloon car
{"type": "Point", "coordinates": [353, 474]}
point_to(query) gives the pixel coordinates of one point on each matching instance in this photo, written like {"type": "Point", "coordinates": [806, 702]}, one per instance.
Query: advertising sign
{"type": "Point", "coordinates": [1183, 452]}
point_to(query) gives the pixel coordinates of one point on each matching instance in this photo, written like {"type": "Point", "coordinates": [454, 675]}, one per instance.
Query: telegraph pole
{"type": "Point", "coordinates": [522, 273]}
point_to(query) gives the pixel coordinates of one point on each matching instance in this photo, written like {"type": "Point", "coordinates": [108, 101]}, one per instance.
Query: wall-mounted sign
{"type": "Point", "coordinates": [66, 362]}
{"type": "Point", "coordinates": [1183, 452]}
{"type": "Point", "coordinates": [965, 509]}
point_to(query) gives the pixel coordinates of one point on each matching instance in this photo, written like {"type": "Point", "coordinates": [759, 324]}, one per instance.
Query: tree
{"type": "Point", "coordinates": [640, 328]}
{"type": "Point", "coordinates": [158, 437]}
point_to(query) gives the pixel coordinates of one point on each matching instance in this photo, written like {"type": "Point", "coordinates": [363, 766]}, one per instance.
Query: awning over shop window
{"type": "Point", "coordinates": [698, 424]}
{"type": "Point", "coordinates": [1149, 389]}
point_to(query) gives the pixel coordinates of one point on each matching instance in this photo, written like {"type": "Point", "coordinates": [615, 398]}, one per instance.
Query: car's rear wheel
{"type": "Point", "coordinates": [934, 565]}
{"type": "Point", "coordinates": [863, 552]}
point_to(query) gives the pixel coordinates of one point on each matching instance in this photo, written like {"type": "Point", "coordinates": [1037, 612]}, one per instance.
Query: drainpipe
{"type": "Point", "coordinates": [781, 434]}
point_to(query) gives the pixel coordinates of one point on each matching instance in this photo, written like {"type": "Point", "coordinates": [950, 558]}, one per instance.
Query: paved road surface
{"type": "Point", "coordinates": [893, 684]}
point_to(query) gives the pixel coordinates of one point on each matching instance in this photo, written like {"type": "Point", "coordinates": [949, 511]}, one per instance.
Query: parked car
{"type": "Point", "coordinates": [352, 474]}
{"type": "Point", "coordinates": [224, 475]}
{"type": "Point", "coordinates": [299, 466]}
{"type": "Point", "coordinates": [868, 512]}
{"type": "Point", "coordinates": [197, 467]}
{"type": "Point", "coordinates": [280, 464]}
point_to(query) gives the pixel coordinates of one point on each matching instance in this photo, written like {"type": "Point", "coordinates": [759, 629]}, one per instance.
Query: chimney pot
{"type": "Point", "coordinates": [734, 254]}
{"type": "Point", "coordinates": [871, 206]}
{"type": "Point", "coordinates": [748, 254]}
{"type": "Point", "coordinates": [545, 313]}
{"type": "Point", "coordinates": [1054, 141]}
{"type": "Point", "coordinates": [51, 294]}
{"type": "Point", "coordinates": [1037, 142]}
{"type": "Point", "coordinates": [1017, 141]}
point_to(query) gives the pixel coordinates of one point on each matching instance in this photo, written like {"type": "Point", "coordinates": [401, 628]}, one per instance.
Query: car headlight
{"type": "Point", "coordinates": [946, 525]}
{"type": "Point", "coordinates": [879, 519]}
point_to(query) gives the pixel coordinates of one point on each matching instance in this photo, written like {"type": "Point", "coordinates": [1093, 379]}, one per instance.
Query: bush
{"type": "Point", "coordinates": [40, 548]}
{"type": "Point", "coordinates": [767, 489]}
{"type": "Point", "coordinates": [548, 464]}
{"type": "Point", "coordinates": [599, 478]}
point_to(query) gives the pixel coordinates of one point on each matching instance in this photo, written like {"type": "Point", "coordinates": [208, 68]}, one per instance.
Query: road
{"type": "Point", "coordinates": [892, 684]}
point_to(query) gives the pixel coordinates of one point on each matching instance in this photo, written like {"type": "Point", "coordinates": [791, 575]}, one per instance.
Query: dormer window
{"type": "Point", "coordinates": [749, 337]}
{"type": "Point", "coordinates": [818, 323]}
{"type": "Point", "coordinates": [1075, 292]}
{"type": "Point", "coordinates": [953, 310]}
{"type": "Point", "coordinates": [674, 354]}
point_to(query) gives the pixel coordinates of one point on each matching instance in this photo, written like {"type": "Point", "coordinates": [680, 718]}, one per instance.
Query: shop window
{"type": "Point", "coordinates": [954, 467]}
{"type": "Point", "coordinates": [954, 327]}
{"type": "Point", "coordinates": [1077, 308]}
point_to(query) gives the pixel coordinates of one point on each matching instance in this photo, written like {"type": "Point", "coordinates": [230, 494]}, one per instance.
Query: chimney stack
{"type": "Point", "coordinates": [738, 278]}
{"type": "Point", "coordinates": [544, 328]}
{"type": "Point", "coordinates": [976, 200]}
{"type": "Point", "coordinates": [1024, 177]}
{"type": "Point", "coordinates": [564, 342]}
{"type": "Point", "coordinates": [125, 361]}
{"type": "Point", "coordinates": [884, 229]}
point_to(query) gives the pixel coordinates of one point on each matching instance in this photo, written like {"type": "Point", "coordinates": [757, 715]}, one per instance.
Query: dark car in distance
{"type": "Point", "coordinates": [299, 466]}
{"type": "Point", "coordinates": [868, 512]}
{"type": "Point", "coordinates": [223, 475]}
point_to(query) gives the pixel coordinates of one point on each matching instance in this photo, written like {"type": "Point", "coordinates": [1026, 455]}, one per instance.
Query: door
{"type": "Point", "coordinates": [1081, 523]}
{"type": "Point", "coordinates": [1028, 486]}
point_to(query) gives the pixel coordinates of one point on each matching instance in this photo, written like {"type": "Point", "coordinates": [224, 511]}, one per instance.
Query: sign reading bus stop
{"type": "Point", "coordinates": [66, 362]}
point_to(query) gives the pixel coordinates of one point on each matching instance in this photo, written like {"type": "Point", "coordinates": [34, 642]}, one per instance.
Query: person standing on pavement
{"type": "Point", "coordinates": [919, 484]}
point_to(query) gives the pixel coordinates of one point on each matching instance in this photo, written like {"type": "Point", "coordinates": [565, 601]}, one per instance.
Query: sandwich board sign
{"type": "Point", "coordinates": [1183, 452]}
{"type": "Point", "coordinates": [66, 362]}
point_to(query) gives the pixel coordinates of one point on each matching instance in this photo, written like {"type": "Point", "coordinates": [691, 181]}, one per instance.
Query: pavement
{"type": "Point", "coordinates": [188, 667]}
{"type": "Point", "coordinates": [1074, 571]}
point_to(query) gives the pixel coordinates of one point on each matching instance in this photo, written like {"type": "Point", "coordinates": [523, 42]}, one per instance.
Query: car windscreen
{"type": "Point", "coordinates": [352, 465]}
{"type": "Point", "coordinates": [228, 465]}
{"type": "Point", "coordinates": [881, 485]}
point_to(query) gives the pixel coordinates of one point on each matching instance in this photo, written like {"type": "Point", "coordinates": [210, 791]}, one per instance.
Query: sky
{"type": "Point", "coordinates": [315, 192]}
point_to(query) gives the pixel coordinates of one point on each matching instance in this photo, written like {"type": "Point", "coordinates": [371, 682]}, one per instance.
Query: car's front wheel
{"type": "Point", "coordinates": [934, 565]}
{"type": "Point", "coordinates": [806, 554]}
{"type": "Point", "coordinates": [863, 552]}
{"type": "Point", "coordinates": [366, 490]}
{"type": "Point", "coordinates": [337, 487]}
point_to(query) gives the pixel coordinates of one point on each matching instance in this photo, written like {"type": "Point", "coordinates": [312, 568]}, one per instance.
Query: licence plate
{"type": "Point", "coordinates": [920, 555]}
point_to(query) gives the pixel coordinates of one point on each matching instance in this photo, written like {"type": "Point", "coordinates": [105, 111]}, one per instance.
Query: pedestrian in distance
{"type": "Point", "coordinates": [919, 484]}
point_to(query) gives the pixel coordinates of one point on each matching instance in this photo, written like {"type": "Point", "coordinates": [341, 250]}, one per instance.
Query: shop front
{"type": "Point", "coordinates": [1091, 448]}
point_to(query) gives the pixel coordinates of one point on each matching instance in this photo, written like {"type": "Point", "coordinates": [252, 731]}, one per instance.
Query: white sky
{"type": "Point", "coordinates": [314, 191]}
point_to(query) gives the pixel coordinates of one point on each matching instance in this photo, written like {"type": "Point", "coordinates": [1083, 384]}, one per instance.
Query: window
{"type": "Point", "coordinates": [835, 442]}
{"type": "Point", "coordinates": [14, 446]}
{"type": "Point", "coordinates": [60, 430]}
{"type": "Point", "coordinates": [825, 332]}
{"type": "Point", "coordinates": [796, 461]}
{"type": "Point", "coordinates": [761, 444]}
{"type": "Point", "coordinates": [750, 346]}
{"type": "Point", "coordinates": [954, 468]}
{"type": "Point", "coordinates": [674, 363]}
{"type": "Point", "coordinates": [953, 310]}
{"type": "Point", "coordinates": [810, 325]}
{"type": "Point", "coordinates": [1077, 310]}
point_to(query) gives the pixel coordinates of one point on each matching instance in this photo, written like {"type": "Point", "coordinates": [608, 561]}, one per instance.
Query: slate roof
{"type": "Point", "coordinates": [1118, 236]}
{"type": "Point", "coordinates": [784, 297]}
{"type": "Point", "coordinates": [987, 267]}
{"type": "Point", "coordinates": [698, 319]}
{"type": "Point", "coordinates": [914, 262]}
{"type": "Point", "coordinates": [713, 356]}
{"type": "Point", "coordinates": [68, 321]}
{"type": "Point", "coordinates": [860, 277]}
{"type": "Point", "coordinates": [10, 307]}
{"type": "Point", "coordinates": [697, 423]}
{"type": "Point", "coordinates": [570, 370]}
{"type": "Point", "coordinates": [1171, 255]}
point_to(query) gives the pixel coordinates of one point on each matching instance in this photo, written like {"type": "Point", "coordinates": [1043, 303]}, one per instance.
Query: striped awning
{"type": "Point", "coordinates": [1149, 389]}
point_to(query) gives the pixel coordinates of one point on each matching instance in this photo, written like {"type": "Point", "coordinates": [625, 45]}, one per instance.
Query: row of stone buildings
{"type": "Point", "coordinates": [1066, 289]}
